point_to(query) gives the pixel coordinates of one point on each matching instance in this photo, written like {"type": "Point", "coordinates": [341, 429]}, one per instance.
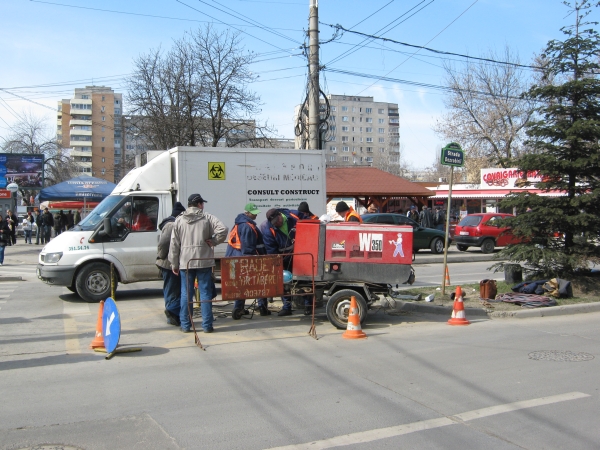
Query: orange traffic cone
{"type": "Point", "coordinates": [447, 277]}
{"type": "Point", "coordinates": [458, 311]}
{"type": "Point", "coordinates": [98, 341]}
{"type": "Point", "coordinates": [354, 331]}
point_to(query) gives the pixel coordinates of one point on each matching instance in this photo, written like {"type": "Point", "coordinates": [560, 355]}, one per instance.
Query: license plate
{"type": "Point", "coordinates": [464, 233]}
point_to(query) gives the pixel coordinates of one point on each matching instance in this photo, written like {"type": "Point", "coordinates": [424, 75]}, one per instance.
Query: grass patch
{"type": "Point", "coordinates": [586, 289]}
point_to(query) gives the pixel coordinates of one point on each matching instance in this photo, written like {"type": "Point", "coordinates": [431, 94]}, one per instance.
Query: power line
{"type": "Point", "coordinates": [371, 15]}
{"type": "Point", "coordinates": [147, 15]}
{"type": "Point", "coordinates": [443, 29]}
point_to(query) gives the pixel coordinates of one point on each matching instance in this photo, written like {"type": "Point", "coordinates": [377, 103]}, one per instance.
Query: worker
{"type": "Point", "coordinates": [245, 239]}
{"type": "Point", "coordinates": [303, 212]}
{"type": "Point", "coordinates": [347, 212]}
{"type": "Point", "coordinates": [279, 232]}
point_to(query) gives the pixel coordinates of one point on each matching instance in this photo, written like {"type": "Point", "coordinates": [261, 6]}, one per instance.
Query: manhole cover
{"type": "Point", "coordinates": [555, 355]}
{"type": "Point", "coordinates": [51, 447]}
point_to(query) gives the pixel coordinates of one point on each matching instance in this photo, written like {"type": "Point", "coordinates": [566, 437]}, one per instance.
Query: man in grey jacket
{"type": "Point", "coordinates": [194, 235]}
{"type": "Point", "coordinates": [171, 282]}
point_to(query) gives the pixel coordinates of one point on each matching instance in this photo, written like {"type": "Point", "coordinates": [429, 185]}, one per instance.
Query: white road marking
{"type": "Point", "coordinates": [76, 309]}
{"type": "Point", "coordinates": [399, 430]}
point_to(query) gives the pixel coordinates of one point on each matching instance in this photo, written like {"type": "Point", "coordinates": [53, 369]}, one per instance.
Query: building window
{"type": "Point", "coordinates": [117, 111]}
{"type": "Point", "coordinates": [381, 121]}
{"type": "Point", "coordinates": [381, 130]}
{"type": "Point", "coordinates": [103, 119]}
{"type": "Point", "coordinates": [369, 120]}
{"type": "Point", "coordinates": [116, 102]}
{"type": "Point", "coordinates": [333, 149]}
{"type": "Point", "coordinates": [345, 158]}
{"type": "Point", "coordinates": [345, 149]}
{"type": "Point", "coordinates": [352, 119]}
{"type": "Point", "coordinates": [381, 140]}
{"type": "Point", "coordinates": [344, 109]}
{"type": "Point", "coordinates": [332, 118]}
{"type": "Point", "coordinates": [369, 139]}
{"type": "Point", "coordinates": [103, 98]}
{"type": "Point", "coordinates": [102, 149]}
{"type": "Point", "coordinates": [369, 149]}
{"type": "Point", "coordinates": [103, 138]}
{"type": "Point", "coordinates": [103, 159]}
{"type": "Point", "coordinates": [344, 128]}
{"type": "Point", "coordinates": [353, 109]}
{"type": "Point", "coordinates": [344, 118]}
{"type": "Point", "coordinates": [382, 149]}
{"type": "Point", "coordinates": [103, 128]}
{"type": "Point", "coordinates": [103, 171]}
{"type": "Point", "coordinates": [344, 138]}
{"type": "Point", "coordinates": [85, 97]}
{"type": "Point", "coordinates": [332, 158]}
{"type": "Point", "coordinates": [368, 110]}
{"type": "Point", "coordinates": [332, 127]}
{"type": "Point", "coordinates": [102, 109]}
{"type": "Point", "coordinates": [392, 111]}
{"type": "Point", "coordinates": [369, 130]}
{"type": "Point", "coordinates": [333, 108]}
{"type": "Point", "coordinates": [381, 111]}
{"type": "Point", "coordinates": [369, 159]}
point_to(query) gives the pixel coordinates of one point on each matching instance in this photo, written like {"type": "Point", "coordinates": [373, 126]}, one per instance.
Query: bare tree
{"type": "Point", "coordinates": [30, 135]}
{"type": "Point", "coordinates": [486, 113]}
{"type": "Point", "coordinates": [196, 93]}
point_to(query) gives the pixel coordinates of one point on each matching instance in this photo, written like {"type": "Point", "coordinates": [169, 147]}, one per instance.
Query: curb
{"type": "Point", "coordinates": [436, 309]}
{"type": "Point", "coordinates": [3, 278]}
{"type": "Point", "coordinates": [547, 311]}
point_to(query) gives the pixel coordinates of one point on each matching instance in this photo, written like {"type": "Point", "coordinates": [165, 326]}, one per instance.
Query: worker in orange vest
{"type": "Point", "coordinates": [347, 212]}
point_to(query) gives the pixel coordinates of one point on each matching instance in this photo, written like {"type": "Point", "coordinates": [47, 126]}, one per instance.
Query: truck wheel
{"type": "Point", "coordinates": [487, 246]}
{"type": "Point", "coordinates": [462, 247]}
{"type": "Point", "coordinates": [338, 308]}
{"type": "Point", "coordinates": [437, 246]}
{"type": "Point", "coordinates": [93, 282]}
{"type": "Point", "coordinates": [72, 288]}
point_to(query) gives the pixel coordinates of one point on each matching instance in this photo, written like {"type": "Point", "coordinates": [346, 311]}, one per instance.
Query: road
{"type": "Point", "coordinates": [264, 383]}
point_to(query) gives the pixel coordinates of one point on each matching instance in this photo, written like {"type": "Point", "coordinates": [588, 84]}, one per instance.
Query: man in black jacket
{"type": "Point", "coordinates": [47, 224]}
{"type": "Point", "coordinates": [38, 223]}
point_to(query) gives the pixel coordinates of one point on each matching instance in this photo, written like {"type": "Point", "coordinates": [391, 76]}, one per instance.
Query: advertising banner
{"type": "Point", "coordinates": [508, 178]}
{"type": "Point", "coordinates": [24, 169]}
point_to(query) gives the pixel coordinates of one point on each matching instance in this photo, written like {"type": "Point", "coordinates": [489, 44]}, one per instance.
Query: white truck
{"type": "Point", "coordinates": [123, 228]}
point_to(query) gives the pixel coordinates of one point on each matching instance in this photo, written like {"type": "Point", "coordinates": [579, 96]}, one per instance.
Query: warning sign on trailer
{"type": "Point", "coordinates": [251, 277]}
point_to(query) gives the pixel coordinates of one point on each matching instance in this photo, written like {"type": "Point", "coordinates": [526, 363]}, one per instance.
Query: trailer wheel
{"type": "Point", "coordinates": [338, 308]}
{"type": "Point", "coordinates": [93, 282]}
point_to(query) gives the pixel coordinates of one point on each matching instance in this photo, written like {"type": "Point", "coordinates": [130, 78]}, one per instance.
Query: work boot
{"type": "Point", "coordinates": [264, 311]}
{"type": "Point", "coordinates": [285, 312]}
{"type": "Point", "coordinates": [172, 319]}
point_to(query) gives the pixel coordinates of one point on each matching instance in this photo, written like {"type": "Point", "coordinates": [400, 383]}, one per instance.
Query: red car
{"type": "Point", "coordinates": [483, 230]}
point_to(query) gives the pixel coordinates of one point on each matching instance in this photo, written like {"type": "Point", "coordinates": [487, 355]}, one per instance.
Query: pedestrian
{"type": "Point", "coordinates": [245, 239]}
{"type": "Point", "coordinates": [5, 238]}
{"type": "Point", "coordinates": [426, 218]}
{"type": "Point", "coordinates": [439, 218]}
{"type": "Point", "coordinates": [47, 224]}
{"type": "Point", "coordinates": [58, 223]}
{"type": "Point", "coordinates": [12, 222]}
{"type": "Point", "coordinates": [413, 214]}
{"type": "Point", "coordinates": [70, 220]}
{"type": "Point", "coordinates": [76, 217]}
{"type": "Point", "coordinates": [194, 235]}
{"type": "Point", "coordinates": [38, 224]}
{"type": "Point", "coordinates": [372, 209]}
{"type": "Point", "coordinates": [27, 227]}
{"type": "Point", "coordinates": [279, 232]}
{"type": "Point", "coordinates": [171, 282]}
{"type": "Point", "coordinates": [303, 212]}
{"type": "Point", "coordinates": [347, 212]}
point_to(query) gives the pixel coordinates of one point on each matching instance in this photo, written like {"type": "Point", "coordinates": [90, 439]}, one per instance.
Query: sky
{"type": "Point", "coordinates": [48, 48]}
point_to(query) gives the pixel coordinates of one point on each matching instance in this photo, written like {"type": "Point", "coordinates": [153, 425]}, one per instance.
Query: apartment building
{"type": "Point", "coordinates": [90, 124]}
{"type": "Point", "coordinates": [360, 131]}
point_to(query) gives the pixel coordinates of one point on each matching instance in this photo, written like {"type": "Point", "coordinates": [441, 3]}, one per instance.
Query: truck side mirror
{"type": "Point", "coordinates": [107, 226]}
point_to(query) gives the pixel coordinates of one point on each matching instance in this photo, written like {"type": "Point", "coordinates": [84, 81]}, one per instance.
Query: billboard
{"type": "Point", "coordinates": [27, 170]}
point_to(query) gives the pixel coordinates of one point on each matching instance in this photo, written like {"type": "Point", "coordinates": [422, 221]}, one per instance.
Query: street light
{"type": "Point", "coordinates": [13, 188]}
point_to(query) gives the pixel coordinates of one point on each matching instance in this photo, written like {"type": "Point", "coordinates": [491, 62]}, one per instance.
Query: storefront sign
{"type": "Point", "coordinates": [508, 178]}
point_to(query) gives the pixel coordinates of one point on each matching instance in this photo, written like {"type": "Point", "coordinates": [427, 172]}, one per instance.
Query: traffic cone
{"type": "Point", "coordinates": [458, 316]}
{"type": "Point", "coordinates": [354, 331]}
{"type": "Point", "coordinates": [447, 277]}
{"type": "Point", "coordinates": [98, 341]}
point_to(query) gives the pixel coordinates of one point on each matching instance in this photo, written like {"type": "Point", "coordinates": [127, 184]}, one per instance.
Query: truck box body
{"type": "Point", "coordinates": [227, 178]}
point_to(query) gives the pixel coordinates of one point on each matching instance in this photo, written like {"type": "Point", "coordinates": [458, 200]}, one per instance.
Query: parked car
{"type": "Point", "coordinates": [423, 238]}
{"type": "Point", "coordinates": [483, 230]}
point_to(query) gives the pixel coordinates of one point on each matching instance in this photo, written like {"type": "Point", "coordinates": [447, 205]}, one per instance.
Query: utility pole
{"type": "Point", "coordinates": [313, 68]}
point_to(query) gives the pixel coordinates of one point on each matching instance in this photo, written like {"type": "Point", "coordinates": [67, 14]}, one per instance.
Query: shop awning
{"type": "Point", "coordinates": [491, 193]}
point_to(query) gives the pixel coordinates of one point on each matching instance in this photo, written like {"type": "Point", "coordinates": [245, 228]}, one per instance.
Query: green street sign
{"type": "Point", "coordinates": [453, 155]}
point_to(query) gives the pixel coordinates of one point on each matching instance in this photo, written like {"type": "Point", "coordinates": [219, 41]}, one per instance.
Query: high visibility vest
{"type": "Point", "coordinates": [352, 213]}
{"type": "Point", "coordinates": [234, 237]}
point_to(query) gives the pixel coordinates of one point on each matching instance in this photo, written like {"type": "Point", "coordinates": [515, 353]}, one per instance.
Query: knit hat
{"type": "Point", "coordinates": [303, 207]}
{"type": "Point", "coordinates": [177, 209]}
{"type": "Point", "coordinates": [341, 207]}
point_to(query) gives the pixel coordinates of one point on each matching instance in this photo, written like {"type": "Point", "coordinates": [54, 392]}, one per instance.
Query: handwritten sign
{"type": "Point", "coordinates": [248, 277]}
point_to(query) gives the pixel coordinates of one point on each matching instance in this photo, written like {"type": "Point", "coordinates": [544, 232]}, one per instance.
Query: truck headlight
{"type": "Point", "coordinates": [52, 258]}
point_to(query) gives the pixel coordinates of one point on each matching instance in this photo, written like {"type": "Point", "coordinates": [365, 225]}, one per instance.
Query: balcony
{"type": "Point", "coordinates": [74, 122]}
{"type": "Point", "coordinates": [80, 133]}
{"type": "Point", "coordinates": [75, 144]}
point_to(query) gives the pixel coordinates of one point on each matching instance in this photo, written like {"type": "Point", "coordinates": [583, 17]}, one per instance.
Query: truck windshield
{"type": "Point", "coordinates": [101, 211]}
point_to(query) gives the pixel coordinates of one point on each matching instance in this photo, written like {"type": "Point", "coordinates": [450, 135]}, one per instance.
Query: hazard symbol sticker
{"type": "Point", "coordinates": [216, 170]}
